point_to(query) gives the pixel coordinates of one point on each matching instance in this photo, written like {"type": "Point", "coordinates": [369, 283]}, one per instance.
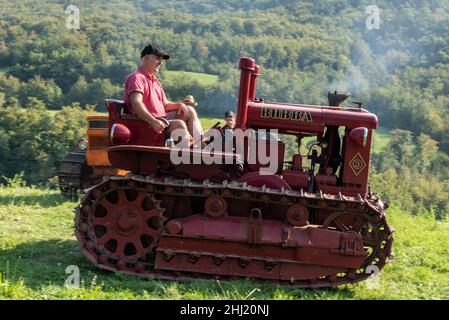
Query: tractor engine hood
{"type": "Point", "coordinates": [306, 118]}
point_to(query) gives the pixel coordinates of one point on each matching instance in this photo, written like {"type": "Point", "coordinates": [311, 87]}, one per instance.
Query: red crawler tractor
{"type": "Point", "coordinates": [313, 223]}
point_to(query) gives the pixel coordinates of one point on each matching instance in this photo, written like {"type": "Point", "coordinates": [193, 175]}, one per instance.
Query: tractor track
{"type": "Point", "coordinates": [150, 187]}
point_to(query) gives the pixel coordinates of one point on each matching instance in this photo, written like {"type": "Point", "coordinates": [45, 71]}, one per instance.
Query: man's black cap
{"type": "Point", "coordinates": [156, 50]}
{"type": "Point", "coordinates": [229, 114]}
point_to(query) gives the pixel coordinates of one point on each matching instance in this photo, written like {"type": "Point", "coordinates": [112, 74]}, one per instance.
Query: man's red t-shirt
{"type": "Point", "coordinates": [151, 89]}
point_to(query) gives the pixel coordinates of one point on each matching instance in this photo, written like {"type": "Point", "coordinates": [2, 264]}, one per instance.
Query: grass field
{"type": "Point", "coordinates": [37, 244]}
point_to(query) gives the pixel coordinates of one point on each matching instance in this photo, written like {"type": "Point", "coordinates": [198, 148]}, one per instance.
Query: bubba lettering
{"type": "Point", "coordinates": [286, 114]}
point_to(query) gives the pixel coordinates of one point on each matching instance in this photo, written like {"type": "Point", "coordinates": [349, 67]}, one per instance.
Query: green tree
{"type": "Point", "coordinates": [44, 90]}
{"type": "Point", "coordinates": [79, 92]}
{"type": "Point", "coordinates": [426, 151]}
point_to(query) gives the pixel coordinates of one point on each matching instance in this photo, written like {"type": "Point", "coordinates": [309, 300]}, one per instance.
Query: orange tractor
{"type": "Point", "coordinates": [88, 162]}
{"type": "Point", "coordinates": [314, 222]}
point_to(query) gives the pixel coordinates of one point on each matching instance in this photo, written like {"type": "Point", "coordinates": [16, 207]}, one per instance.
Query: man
{"type": "Point", "coordinates": [145, 97]}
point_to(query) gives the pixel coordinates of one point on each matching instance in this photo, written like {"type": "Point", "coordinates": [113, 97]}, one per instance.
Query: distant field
{"type": "Point", "coordinates": [203, 78]}
{"type": "Point", "coordinates": [37, 243]}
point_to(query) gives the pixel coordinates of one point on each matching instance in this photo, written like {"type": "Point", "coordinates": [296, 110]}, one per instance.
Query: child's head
{"type": "Point", "coordinates": [230, 118]}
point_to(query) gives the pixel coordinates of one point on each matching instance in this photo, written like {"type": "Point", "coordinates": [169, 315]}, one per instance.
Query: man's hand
{"type": "Point", "coordinates": [157, 125]}
{"type": "Point", "coordinates": [183, 110]}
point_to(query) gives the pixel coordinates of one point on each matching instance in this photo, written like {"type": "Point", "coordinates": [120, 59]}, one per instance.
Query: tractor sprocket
{"type": "Point", "coordinates": [120, 224]}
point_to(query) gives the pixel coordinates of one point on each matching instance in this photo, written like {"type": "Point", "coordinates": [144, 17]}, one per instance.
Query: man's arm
{"type": "Point", "coordinates": [143, 114]}
{"type": "Point", "coordinates": [176, 106]}
{"type": "Point", "coordinates": [171, 106]}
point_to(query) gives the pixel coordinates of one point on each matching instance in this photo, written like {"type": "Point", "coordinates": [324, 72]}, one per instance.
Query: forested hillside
{"type": "Point", "coordinates": [305, 48]}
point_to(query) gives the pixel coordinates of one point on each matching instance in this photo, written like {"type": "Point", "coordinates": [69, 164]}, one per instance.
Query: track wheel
{"type": "Point", "coordinates": [125, 223]}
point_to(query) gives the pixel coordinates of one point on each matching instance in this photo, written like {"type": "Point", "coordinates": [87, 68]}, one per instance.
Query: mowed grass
{"type": "Point", "coordinates": [37, 244]}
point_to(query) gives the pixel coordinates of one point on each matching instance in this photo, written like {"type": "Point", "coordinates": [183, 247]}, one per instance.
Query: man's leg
{"type": "Point", "coordinates": [181, 131]}
{"type": "Point", "coordinates": [192, 121]}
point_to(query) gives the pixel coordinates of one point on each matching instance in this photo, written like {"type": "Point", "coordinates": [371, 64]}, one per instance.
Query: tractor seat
{"type": "Point", "coordinates": [119, 113]}
{"type": "Point", "coordinates": [118, 106]}
{"type": "Point", "coordinates": [119, 110]}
